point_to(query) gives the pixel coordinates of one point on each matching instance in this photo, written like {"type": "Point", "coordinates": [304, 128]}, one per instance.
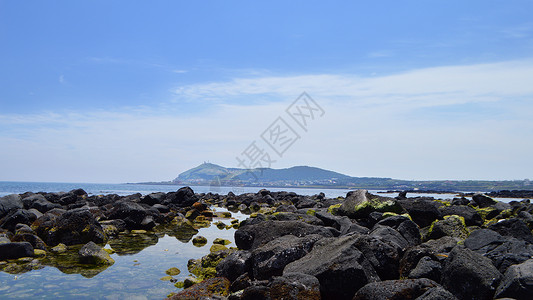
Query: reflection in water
{"type": "Point", "coordinates": [141, 259]}
{"type": "Point", "coordinates": [132, 243]}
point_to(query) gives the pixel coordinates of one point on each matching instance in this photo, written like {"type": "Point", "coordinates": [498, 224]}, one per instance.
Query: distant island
{"type": "Point", "coordinates": [311, 177]}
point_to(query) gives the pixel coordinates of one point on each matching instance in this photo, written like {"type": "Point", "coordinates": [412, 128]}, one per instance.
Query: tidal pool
{"type": "Point", "coordinates": [141, 260]}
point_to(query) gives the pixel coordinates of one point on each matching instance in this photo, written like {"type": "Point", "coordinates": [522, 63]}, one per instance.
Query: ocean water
{"type": "Point", "coordinates": [8, 187]}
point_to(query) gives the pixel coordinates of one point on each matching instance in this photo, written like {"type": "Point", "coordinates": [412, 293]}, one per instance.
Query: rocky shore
{"type": "Point", "coordinates": [361, 246]}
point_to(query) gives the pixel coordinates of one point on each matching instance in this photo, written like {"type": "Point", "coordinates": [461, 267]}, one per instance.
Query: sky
{"type": "Point", "coordinates": [132, 91]}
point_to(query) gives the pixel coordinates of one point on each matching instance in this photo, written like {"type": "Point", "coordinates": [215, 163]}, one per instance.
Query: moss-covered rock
{"type": "Point", "coordinates": [173, 271]}
{"type": "Point", "coordinates": [360, 203]}
{"type": "Point", "coordinates": [207, 289]}
{"type": "Point", "coordinates": [217, 247]}
{"type": "Point", "coordinates": [60, 248]}
{"type": "Point", "coordinates": [334, 209]}
{"type": "Point", "coordinates": [199, 241]}
{"type": "Point", "coordinates": [221, 241]}
{"type": "Point", "coordinates": [452, 225]}
{"type": "Point", "coordinates": [91, 253]}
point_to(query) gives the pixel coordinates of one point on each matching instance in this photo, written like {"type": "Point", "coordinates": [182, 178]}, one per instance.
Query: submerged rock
{"type": "Point", "coordinates": [91, 253]}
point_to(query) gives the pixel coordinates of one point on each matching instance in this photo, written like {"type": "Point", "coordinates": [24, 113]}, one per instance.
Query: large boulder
{"type": "Point", "coordinates": [469, 275]}
{"type": "Point", "coordinates": [338, 264]}
{"type": "Point", "coordinates": [482, 200]}
{"type": "Point", "coordinates": [453, 226]}
{"type": "Point", "coordinates": [252, 236]}
{"type": "Point", "coordinates": [513, 227]}
{"type": "Point", "coordinates": [134, 215]}
{"type": "Point", "coordinates": [234, 265]}
{"type": "Point", "coordinates": [91, 253]}
{"type": "Point", "coordinates": [77, 226]}
{"type": "Point", "coordinates": [470, 215]}
{"type": "Point", "coordinates": [427, 267]}
{"type": "Point", "coordinates": [407, 228]}
{"type": "Point", "coordinates": [502, 251]}
{"type": "Point", "coordinates": [422, 211]}
{"type": "Point", "coordinates": [360, 203]}
{"type": "Point", "coordinates": [184, 197]}
{"type": "Point", "coordinates": [9, 202]}
{"type": "Point", "coordinates": [517, 282]}
{"type": "Point", "coordinates": [270, 260]}
{"type": "Point", "coordinates": [19, 216]}
{"type": "Point", "coordinates": [395, 289]}
{"type": "Point", "coordinates": [15, 250]}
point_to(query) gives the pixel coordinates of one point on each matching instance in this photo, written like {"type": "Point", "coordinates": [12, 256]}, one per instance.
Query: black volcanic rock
{"type": "Point", "coordinates": [253, 236]}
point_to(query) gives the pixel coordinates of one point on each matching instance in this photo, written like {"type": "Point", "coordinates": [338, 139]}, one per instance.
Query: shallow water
{"type": "Point", "coordinates": [135, 276]}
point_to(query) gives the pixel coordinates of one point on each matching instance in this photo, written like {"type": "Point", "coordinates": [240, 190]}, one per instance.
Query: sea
{"type": "Point", "coordinates": [135, 275]}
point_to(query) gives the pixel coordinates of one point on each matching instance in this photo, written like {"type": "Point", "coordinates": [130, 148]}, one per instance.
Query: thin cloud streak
{"type": "Point", "coordinates": [381, 126]}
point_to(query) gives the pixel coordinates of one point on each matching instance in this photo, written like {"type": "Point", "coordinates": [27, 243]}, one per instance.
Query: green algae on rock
{"type": "Point", "coordinates": [173, 271]}
{"type": "Point", "coordinates": [199, 241]}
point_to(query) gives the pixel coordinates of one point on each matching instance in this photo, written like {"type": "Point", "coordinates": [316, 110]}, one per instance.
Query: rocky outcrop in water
{"type": "Point", "coordinates": [361, 246]}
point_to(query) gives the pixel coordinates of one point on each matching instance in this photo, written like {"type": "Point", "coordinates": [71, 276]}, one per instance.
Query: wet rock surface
{"type": "Point", "coordinates": [361, 246]}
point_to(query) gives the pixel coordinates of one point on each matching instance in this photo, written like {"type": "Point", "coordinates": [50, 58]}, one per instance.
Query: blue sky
{"type": "Point", "coordinates": [115, 91]}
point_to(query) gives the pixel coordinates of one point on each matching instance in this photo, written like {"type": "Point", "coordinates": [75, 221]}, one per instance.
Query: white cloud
{"type": "Point", "coordinates": [372, 127]}
{"type": "Point", "coordinates": [61, 79]}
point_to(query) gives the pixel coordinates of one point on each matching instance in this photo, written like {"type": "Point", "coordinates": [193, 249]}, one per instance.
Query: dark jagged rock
{"type": "Point", "coordinates": [339, 265]}
{"type": "Point", "coordinates": [91, 253]}
{"type": "Point", "coordinates": [8, 203]}
{"type": "Point", "coordinates": [469, 275]}
{"type": "Point", "coordinates": [24, 233]}
{"type": "Point", "coordinates": [435, 249]}
{"type": "Point", "coordinates": [18, 216]}
{"type": "Point", "coordinates": [381, 254]}
{"type": "Point", "coordinates": [427, 268]}
{"type": "Point", "coordinates": [341, 223]}
{"type": "Point", "coordinates": [502, 251]}
{"type": "Point", "coordinates": [15, 250]}
{"type": "Point", "coordinates": [270, 260]}
{"type": "Point", "coordinates": [453, 226]}
{"type": "Point", "coordinates": [73, 227]}
{"type": "Point", "coordinates": [207, 289]}
{"type": "Point", "coordinates": [407, 228]}
{"type": "Point", "coordinates": [437, 293]}
{"type": "Point", "coordinates": [132, 213]}
{"type": "Point", "coordinates": [517, 282]}
{"type": "Point", "coordinates": [295, 286]}
{"type": "Point", "coordinates": [184, 197]}
{"type": "Point", "coordinates": [470, 215]}
{"type": "Point", "coordinates": [360, 203]}
{"type": "Point", "coordinates": [395, 289]}
{"type": "Point", "coordinates": [482, 200]}
{"type": "Point", "coordinates": [253, 236]}
{"type": "Point", "coordinates": [234, 265]}
{"type": "Point", "coordinates": [153, 198]}
{"type": "Point", "coordinates": [392, 236]}
{"type": "Point", "coordinates": [422, 211]}
{"type": "Point", "coordinates": [513, 227]}
{"type": "Point", "coordinates": [460, 201]}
